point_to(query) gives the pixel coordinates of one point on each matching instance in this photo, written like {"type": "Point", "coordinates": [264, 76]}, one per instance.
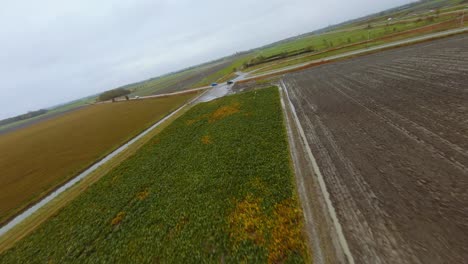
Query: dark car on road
{"type": "Point", "coordinates": [230, 82]}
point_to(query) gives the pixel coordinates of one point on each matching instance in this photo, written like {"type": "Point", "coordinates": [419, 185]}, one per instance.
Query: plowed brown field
{"type": "Point", "coordinates": [389, 132]}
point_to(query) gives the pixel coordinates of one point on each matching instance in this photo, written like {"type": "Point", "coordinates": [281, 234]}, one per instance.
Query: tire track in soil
{"type": "Point", "coordinates": [432, 116]}
{"type": "Point", "coordinates": [310, 218]}
{"type": "Point", "coordinates": [393, 119]}
{"type": "Point", "coordinates": [331, 209]}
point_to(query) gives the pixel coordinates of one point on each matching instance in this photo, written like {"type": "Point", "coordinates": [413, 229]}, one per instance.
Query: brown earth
{"type": "Point", "coordinates": [389, 132]}
{"type": "Point", "coordinates": [37, 120]}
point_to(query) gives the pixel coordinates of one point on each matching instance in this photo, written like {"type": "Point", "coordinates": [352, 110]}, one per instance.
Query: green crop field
{"type": "Point", "coordinates": [215, 186]}
{"type": "Point", "coordinates": [42, 156]}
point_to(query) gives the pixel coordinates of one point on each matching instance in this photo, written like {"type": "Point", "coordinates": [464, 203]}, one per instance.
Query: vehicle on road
{"type": "Point", "coordinates": [214, 84]}
{"type": "Point", "coordinates": [230, 82]}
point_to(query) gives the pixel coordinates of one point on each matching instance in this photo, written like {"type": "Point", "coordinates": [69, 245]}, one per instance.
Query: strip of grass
{"type": "Point", "coordinates": [214, 186]}
{"type": "Point", "coordinates": [40, 157]}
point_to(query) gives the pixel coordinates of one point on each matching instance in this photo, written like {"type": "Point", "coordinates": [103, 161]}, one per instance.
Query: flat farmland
{"type": "Point", "coordinates": [36, 159]}
{"type": "Point", "coordinates": [389, 133]}
{"type": "Point", "coordinates": [215, 186]}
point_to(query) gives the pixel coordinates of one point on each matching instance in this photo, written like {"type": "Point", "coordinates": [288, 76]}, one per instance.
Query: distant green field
{"type": "Point", "coordinates": [312, 57]}
{"type": "Point", "coordinates": [190, 78]}
{"type": "Point", "coordinates": [151, 86]}
{"type": "Point", "coordinates": [219, 75]}
{"type": "Point", "coordinates": [323, 41]}
{"type": "Point", "coordinates": [332, 43]}
{"type": "Point", "coordinates": [215, 186]}
{"type": "Point", "coordinates": [415, 17]}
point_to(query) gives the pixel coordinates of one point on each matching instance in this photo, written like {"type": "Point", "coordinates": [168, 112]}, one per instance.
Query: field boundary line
{"type": "Point", "coordinates": [309, 219]}
{"type": "Point", "coordinates": [323, 187]}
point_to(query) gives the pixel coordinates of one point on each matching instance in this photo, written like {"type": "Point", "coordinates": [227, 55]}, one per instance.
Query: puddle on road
{"type": "Point", "coordinates": [221, 89]}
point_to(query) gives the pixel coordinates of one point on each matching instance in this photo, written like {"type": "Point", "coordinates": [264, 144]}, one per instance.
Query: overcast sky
{"type": "Point", "coordinates": [54, 51]}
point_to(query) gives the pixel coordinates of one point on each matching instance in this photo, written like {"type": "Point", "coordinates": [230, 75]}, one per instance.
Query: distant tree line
{"type": "Point", "coordinates": [112, 94]}
{"type": "Point", "coordinates": [23, 117]}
